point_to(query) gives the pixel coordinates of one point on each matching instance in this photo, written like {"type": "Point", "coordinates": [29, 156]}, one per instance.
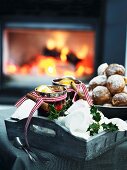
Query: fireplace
{"type": "Point", "coordinates": [34, 53]}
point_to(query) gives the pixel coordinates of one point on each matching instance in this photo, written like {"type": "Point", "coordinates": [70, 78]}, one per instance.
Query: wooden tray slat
{"type": "Point", "coordinates": [62, 142]}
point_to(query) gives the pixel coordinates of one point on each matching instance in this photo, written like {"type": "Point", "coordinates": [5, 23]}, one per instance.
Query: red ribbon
{"type": "Point", "coordinates": [39, 101]}
{"type": "Point", "coordinates": [85, 92]}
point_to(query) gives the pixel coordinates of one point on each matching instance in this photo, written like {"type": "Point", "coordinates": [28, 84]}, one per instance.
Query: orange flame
{"type": "Point", "coordinates": [48, 65]}
{"type": "Point", "coordinates": [57, 66]}
{"type": "Point", "coordinates": [64, 53]}
{"type": "Point", "coordinates": [50, 44]}
{"type": "Point", "coordinates": [11, 69]}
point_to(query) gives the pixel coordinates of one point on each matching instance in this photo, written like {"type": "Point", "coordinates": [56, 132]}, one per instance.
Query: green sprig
{"type": "Point", "coordinates": [110, 127]}
{"type": "Point", "coordinates": [95, 113]}
{"type": "Point", "coordinates": [94, 127]}
{"type": "Point", "coordinates": [54, 114]}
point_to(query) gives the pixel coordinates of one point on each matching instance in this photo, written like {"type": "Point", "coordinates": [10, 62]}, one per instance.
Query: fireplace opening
{"type": "Point", "coordinates": [36, 52]}
{"type": "Point", "coordinates": [34, 56]}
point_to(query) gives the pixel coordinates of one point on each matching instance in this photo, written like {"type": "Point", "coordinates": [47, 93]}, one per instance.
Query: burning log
{"type": "Point", "coordinates": [72, 58]}
{"type": "Point", "coordinates": [54, 52]}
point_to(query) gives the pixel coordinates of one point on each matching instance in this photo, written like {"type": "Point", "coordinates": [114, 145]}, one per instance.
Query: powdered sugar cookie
{"type": "Point", "coordinates": [115, 84]}
{"type": "Point", "coordinates": [101, 69]}
{"type": "Point", "coordinates": [101, 95]}
{"type": "Point", "coordinates": [115, 69]}
{"type": "Point", "coordinates": [98, 81]}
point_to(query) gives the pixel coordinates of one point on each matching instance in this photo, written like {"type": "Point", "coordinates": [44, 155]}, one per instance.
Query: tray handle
{"type": "Point", "coordinates": [47, 127]}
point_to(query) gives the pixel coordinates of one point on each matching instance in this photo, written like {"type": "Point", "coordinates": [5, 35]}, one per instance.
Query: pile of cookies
{"type": "Point", "coordinates": [109, 86]}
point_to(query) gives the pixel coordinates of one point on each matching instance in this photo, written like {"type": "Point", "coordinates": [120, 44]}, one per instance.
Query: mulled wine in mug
{"type": "Point", "coordinates": [70, 83]}
{"type": "Point", "coordinates": [53, 95]}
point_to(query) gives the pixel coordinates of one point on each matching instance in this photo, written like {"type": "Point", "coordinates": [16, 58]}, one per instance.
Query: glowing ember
{"type": "Point", "coordinates": [50, 44]}
{"type": "Point", "coordinates": [11, 69]}
{"type": "Point", "coordinates": [64, 53]}
{"type": "Point", "coordinates": [51, 66]}
{"type": "Point", "coordinates": [60, 57]}
{"type": "Point", "coordinates": [82, 54]}
{"type": "Point", "coordinates": [80, 71]}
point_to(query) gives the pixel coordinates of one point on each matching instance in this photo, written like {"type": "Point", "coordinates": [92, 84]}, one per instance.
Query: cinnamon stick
{"type": "Point", "coordinates": [73, 85]}
{"type": "Point", "coordinates": [44, 105]}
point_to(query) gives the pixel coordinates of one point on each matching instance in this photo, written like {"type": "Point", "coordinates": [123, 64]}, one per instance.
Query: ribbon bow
{"type": "Point", "coordinates": [39, 100]}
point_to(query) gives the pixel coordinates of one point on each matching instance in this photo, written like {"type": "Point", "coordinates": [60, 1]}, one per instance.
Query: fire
{"type": "Point", "coordinates": [25, 69]}
{"type": "Point", "coordinates": [46, 65]}
{"type": "Point", "coordinates": [64, 53]}
{"type": "Point", "coordinates": [80, 71]}
{"type": "Point", "coordinates": [51, 52]}
{"type": "Point", "coordinates": [65, 63]}
{"type": "Point", "coordinates": [82, 54]}
{"type": "Point", "coordinates": [50, 44]}
{"type": "Point", "coordinates": [51, 67]}
{"type": "Point", "coordinates": [11, 69]}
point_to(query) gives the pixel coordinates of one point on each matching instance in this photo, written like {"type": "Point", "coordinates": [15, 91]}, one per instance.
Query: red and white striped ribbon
{"type": "Point", "coordinates": [20, 101]}
{"type": "Point", "coordinates": [36, 106]}
{"type": "Point", "coordinates": [86, 94]}
{"type": "Point", "coordinates": [39, 101]}
{"type": "Point", "coordinates": [85, 91]}
{"type": "Point", "coordinates": [76, 92]}
{"type": "Point", "coordinates": [38, 97]}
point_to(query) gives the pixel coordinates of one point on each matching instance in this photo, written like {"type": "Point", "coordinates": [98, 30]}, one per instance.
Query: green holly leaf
{"type": "Point", "coordinates": [54, 114]}
{"type": "Point", "coordinates": [95, 113]}
{"type": "Point", "coordinates": [93, 128]}
{"type": "Point", "coordinates": [110, 127]}
{"type": "Point", "coordinates": [97, 117]}
{"type": "Point", "coordinates": [93, 109]}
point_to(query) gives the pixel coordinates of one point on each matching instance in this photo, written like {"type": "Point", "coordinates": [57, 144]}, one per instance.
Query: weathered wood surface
{"type": "Point", "coordinates": [62, 143]}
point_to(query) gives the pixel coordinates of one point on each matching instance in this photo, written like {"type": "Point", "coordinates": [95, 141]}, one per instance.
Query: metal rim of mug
{"type": "Point", "coordinates": [56, 82]}
{"type": "Point", "coordinates": [62, 91]}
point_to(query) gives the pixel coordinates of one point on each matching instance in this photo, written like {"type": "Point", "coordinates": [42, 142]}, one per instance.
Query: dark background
{"type": "Point", "coordinates": [88, 8]}
{"type": "Point", "coordinates": [115, 27]}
